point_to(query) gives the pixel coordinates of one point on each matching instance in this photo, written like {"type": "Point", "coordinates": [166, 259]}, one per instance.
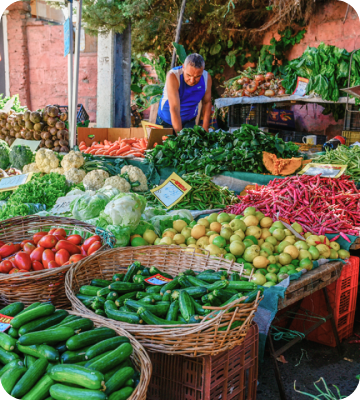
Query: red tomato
{"type": "Point", "coordinates": [67, 263]}
{"type": "Point", "coordinates": [53, 264]}
{"type": "Point", "coordinates": [94, 247]}
{"type": "Point", "coordinates": [48, 241]}
{"type": "Point", "coordinates": [13, 271]}
{"type": "Point", "coordinates": [36, 255]}
{"type": "Point", "coordinates": [37, 266]}
{"type": "Point", "coordinates": [88, 242]}
{"type": "Point", "coordinates": [59, 237]}
{"type": "Point", "coordinates": [83, 251]}
{"type": "Point", "coordinates": [53, 249]}
{"type": "Point", "coordinates": [2, 243]}
{"type": "Point", "coordinates": [74, 239]}
{"type": "Point", "coordinates": [60, 231]}
{"type": "Point", "coordinates": [47, 256]}
{"type": "Point", "coordinates": [23, 260]}
{"type": "Point", "coordinates": [29, 248]}
{"type": "Point", "coordinates": [71, 248]}
{"type": "Point", "coordinates": [51, 232]}
{"type": "Point", "coordinates": [6, 266]}
{"type": "Point", "coordinates": [8, 249]}
{"type": "Point", "coordinates": [76, 257]}
{"type": "Point", "coordinates": [38, 236]}
{"type": "Point", "coordinates": [26, 241]}
{"type": "Point", "coordinates": [62, 256]}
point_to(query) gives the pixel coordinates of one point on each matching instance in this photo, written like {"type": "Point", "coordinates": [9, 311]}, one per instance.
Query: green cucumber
{"type": "Point", "coordinates": [14, 333]}
{"type": "Point", "coordinates": [186, 306]}
{"type": "Point", "coordinates": [141, 295]}
{"type": "Point", "coordinates": [105, 345]}
{"type": "Point", "coordinates": [222, 295]}
{"type": "Point", "coordinates": [61, 347]}
{"type": "Point", "coordinates": [130, 382]}
{"type": "Point", "coordinates": [131, 271]}
{"type": "Point", "coordinates": [194, 291]}
{"type": "Point", "coordinates": [184, 282]}
{"type": "Point", "coordinates": [165, 297]}
{"type": "Point", "coordinates": [44, 322]}
{"type": "Point", "coordinates": [130, 318]}
{"type": "Point", "coordinates": [7, 356]}
{"type": "Point", "coordinates": [30, 307]}
{"type": "Point", "coordinates": [59, 334]}
{"type": "Point", "coordinates": [93, 360]}
{"type": "Point", "coordinates": [80, 325]}
{"type": "Point", "coordinates": [218, 285]}
{"type": "Point", "coordinates": [12, 309]}
{"type": "Point", "coordinates": [78, 375]}
{"type": "Point", "coordinates": [117, 381]}
{"type": "Point", "coordinates": [100, 283]}
{"type": "Point", "coordinates": [29, 361]}
{"type": "Point", "coordinates": [154, 271]}
{"type": "Point", "coordinates": [84, 297]}
{"type": "Point", "coordinates": [11, 377]}
{"type": "Point", "coordinates": [67, 319]}
{"type": "Point", "coordinates": [100, 312]}
{"type": "Point", "coordinates": [120, 301]}
{"type": "Point", "coordinates": [194, 319]}
{"type": "Point", "coordinates": [40, 351]}
{"type": "Point", "coordinates": [28, 316]}
{"type": "Point", "coordinates": [126, 287]}
{"type": "Point", "coordinates": [146, 300]}
{"type": "Point", "coordinates": [112, 296]}
{"type": "Point", "coordinates": [109, 374]}
{"type": "Point", "coordinates": [197, 282]}
{"type": "Point", "coordinates": [41, 390]}
{"type": "Point", "coordinates": [181, 319]}
{"type": "Point", "coordinates": [110, 305]}
{"type": "Point", "coordinates": [234, 277]}
{"type": "Point", "coordinates": [159, 310]}
{"type": "Point", "coordinates": [117, 278]}
{"type": "Point", "coordinates": [154, 289]}
{"type": "Point", "coordinates": [104, 291]}
{"type": "Point", "coordinates": [152, 319]}
{"type": "Point", "coordinates": [214, 301]}
{"type": "Point", "coordinates": [173, 311]}
{"type": "Point", "coordinates": [139, 279]}
{"type": "Point", "coordinates": [10, 365]}
{"type": "Point", "coordinates": [122, 394]}
{"type": "Point", "coordinates": [113, 359]}
{"type": "Point", "coordinates": [73, 357]}
{"type": "Point", "coordinates": [88, 338]}
{"type": "Point", "coordinates": [241, 285]}
{"type": "Point", "coordinates": [197, 307]}
{"type": "Point", "coordinates": [233, 325]}
{"type": "Point", "coordinates": [211, 277]}
{"type": "Point", "coordinates": [89, 290]}
{"type": "Point", "coordinates": [252, 295]}
{"type": "Point", "coordinates": [189, 272]}
{"type": "Point", "coordinates": [30, 378]}
{"type": "Point", "coordinates": [63, 392]}
{"type": "Point", "coordinates": [7, 342]}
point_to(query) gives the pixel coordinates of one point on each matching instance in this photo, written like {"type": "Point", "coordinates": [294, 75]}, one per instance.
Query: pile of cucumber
{"type": "Point", "coordinates": [49, 354]}
{"type": "Point", "coordinates": [129, 298]}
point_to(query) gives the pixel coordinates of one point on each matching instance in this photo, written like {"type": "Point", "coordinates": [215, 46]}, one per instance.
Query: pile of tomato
{"type": "Point", "coordinates": [46, 250]}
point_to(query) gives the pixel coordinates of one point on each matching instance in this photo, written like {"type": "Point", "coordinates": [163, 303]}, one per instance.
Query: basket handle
{"type": "Point", "coordinates": [106, 236]}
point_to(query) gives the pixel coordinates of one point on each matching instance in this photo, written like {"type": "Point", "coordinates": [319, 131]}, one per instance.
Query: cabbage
{"type": "Point", "coordinates": [162, 222]}
{"type": "Point", "coordinates": [109, 191]}
{"type": "Point", "coordinates": [88, 206]}
{"type": "Point", "coordinates": [142, 227]}
{"type": "Point", "coordinates": [124, 209]}
{"type": "Point", "coordinates": [151, 212]}
{"type": "Point", "coordinates": [75, 192]}
{"type": "Point", "coordinates": [121, 233]}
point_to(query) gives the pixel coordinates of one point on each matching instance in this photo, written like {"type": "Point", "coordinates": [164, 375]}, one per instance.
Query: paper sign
{"type": "Point", "coordinates": [62, 204]}
{"type": "Point", "coordinates": [4, 322]}
{"type": "Point", "coordinates": [13, 182]}
{"type": "Point", "coordinates": [147, 126]}
{"type": "Point", "coordinates": [33, 144]}
{"type": "Point", "coordinates": [301, 86]}
{"type": "Point", "coordinates": [157, 279]}
{"type": "Point", "coordinates": [325, 170]}
{"type": "Point", "coordinates": [171, 191]}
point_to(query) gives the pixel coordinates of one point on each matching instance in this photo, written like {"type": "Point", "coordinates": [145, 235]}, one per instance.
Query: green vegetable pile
{"type": "Point", "coordinates": [213, 152]}
{"type": "Point", "coordinates": [343, 155]}
{"type": "Point", "coordinates": [326, 67]}
{"type": "Point", "coordinates": [20, 156]}
{"type": "Point", "coordinates": [16, 106]}
{"type": "Point", "coordinates": [4, 154]}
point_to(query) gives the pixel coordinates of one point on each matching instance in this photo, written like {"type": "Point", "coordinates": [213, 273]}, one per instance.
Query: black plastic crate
{"type": "Point", "coordinates": [253, 114]}
{"type": "Point", "coordinates": [352, 119]}
{"type": "Point", "coordinates": [82, 115]}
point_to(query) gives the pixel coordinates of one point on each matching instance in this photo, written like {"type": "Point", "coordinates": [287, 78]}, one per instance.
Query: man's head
{"type": "Point", "coordinates": [193, 69]}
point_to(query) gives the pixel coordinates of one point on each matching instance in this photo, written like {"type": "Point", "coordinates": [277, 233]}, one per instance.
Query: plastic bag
{"type": "Point", "coordinates": [151, 212]}
{"type": "Point", "coordinates": [109, 191]}
{"type": "Point", "coordinates": [88, 206]}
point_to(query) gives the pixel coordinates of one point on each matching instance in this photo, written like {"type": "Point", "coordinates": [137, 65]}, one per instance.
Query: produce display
{"type": "Point", "coordinates": [319, 205]}
{"type": "Point", "coordinates": [122, 147]}
{"type": "Point", "coordinates": [130, 298]}
{"type": "Point", "coordinates": [46, 250]}
{"type": "Point", "coordinates": [48, 353]}
{"type": "Point", "coordinates": [195, 150]}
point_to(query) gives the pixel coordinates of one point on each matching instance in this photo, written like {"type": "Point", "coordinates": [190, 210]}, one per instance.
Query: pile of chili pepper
{"type": "Point", "coordinates": [319, 205]}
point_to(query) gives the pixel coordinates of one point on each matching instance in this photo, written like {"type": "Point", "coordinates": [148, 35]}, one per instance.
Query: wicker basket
{"type": "Point", "coordinates": [189, 340]}
{"type": "Point", "coordinates": [45, 285]}
{"type": "Point", "coordinates": [139, 357]}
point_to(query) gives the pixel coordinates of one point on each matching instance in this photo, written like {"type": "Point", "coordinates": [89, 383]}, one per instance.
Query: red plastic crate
{"type": "Point", "coordinates": [342, 297]}
{"type": "Point", "coordinates": [231, 375]}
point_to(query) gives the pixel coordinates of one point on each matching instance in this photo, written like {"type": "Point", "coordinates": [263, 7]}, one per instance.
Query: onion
{"type": "Point", "coordinates": [262, 92]}
{"type": "Point", "coordinates": [240, 81]}
{"type": "Point", "coordinates": [281, 91]}
{"type": "Point", "coordinates": [247, 94]}
{"type": "Point", "coordinates": [246, 80]}
{"type": "Point", "coordinates": [259, 78]}
{"type": "Point", "coordinates": [269, 76]}
{"type": "Point", "coordinates": [269, 93]}
{"type": "Point", "coordinates": [251, 88]}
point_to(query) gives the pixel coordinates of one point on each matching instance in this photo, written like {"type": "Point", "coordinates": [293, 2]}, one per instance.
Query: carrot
{"type": "Point", "coordinates": [143, 143]}
{"type": "Point", "coordinates": [138, 155]}
{"type": "Point", "coordinates": [129, 141]}
{"type": "Point", "coordinates": [112, 153]}
{"type": "Point", "coordinates": [100, 152]}
{"type": "Point", "coordinates": [123, 150]}
{"type": "Point", "coordinates": [93, 151]}
{"type": "Point", "coordinates": [87, 151]}
{"type": "Point", "coordinates": [106, 142]}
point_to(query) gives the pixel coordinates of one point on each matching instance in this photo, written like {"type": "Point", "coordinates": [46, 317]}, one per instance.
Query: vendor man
{"type": "Point", "coordinates": [185, 87]}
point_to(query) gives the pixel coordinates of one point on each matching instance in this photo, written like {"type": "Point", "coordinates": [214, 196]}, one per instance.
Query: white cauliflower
{"type": "Point", "coordinates": [119, 183]}
{"type": "Point", "coordinates": [30, 168]}
{"type": "Point", "coordinates": [74, 159]}
{"type": "Point", "coordinates": [74, 175]}
{"type": "Point", "coordinates": [46, 160]}
{"type": "Point", "coordinates": [58, 170]}
{"type": "Point", "coordinates": [95, 180]}
{"type": "Point", "coordinates": [136, 175]}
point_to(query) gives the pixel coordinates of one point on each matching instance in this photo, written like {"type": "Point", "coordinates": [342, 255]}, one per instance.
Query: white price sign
{"type": "Point", "coordinates": [13, 182]}
{"type": "Point", "coordinates": [62, 204]}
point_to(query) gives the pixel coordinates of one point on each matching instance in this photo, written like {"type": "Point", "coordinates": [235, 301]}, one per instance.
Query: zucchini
{"type": "Point", "coordinates": [73, 357]}
{"type": "Point", "coordinates": [186, 306]}
{"type": "Point", "coordinates": [223, 295]}
{"type": "Point", "coordinates": [194, 319]}
{"type": "Point", "coordinates": [141, 295]}
{"type": "Point", "coordinates": [30, 307]}
{"type": "Point", "coordinates": [12, 309]}
{"type": "Point", "coordinates": [100, 312]}
{"type": "Point", "coordinates": [120, 301]}
{"type": "Point", "coordinates": [88, 338]}
{"type": "Point", "coordinates": [181, 319]}
{"type": "Point", "coordinates": [189, 272]}
{"type": "Point", "coordinates": [109, 374]}
{"type": "Point", "coordinates": [214, 301]}
{"type": "Point", "coordinates": [218, 285]}
{"type": "Point", "coordinates": [11, 377]}
{"type": "Point", "coordinates": [122, 394]}
{"type": "Point", "coordinates": [154, 271]}
{"type": "Point", "coordinates": [89, 290]}
{"type": "Point", "coordinates": [62, 392]}
{"type": "Point", "coordinates": [112, 296]}
{"type": "Point", "coordinates": [197, 307]}
{"type": "Point", "coordinates": [158, 310]}
{"type": "Point", "coordinates": [114, 358]}
{"type": "Point", "coordinates": [173, 311]}
{"type": "Point", "coordinates": [27, 316]}
{"type": "Point", "coordinates": [166, 297]}
{"type": "Point", "coordinates": [110, 305]}
{"type": "Point", "coordinates": [131, 271]}
{"type": "Point", "coordinates": [139, 279]}
{"type": "Point", "coordinates": [117, 278]}
{"type": "Point", "coordinates": [184, 282]}
{"type": "Point", "coordinates": [154, 289]}
{"type": "Point", "coordinates": [104, 291]}
{"type": "Point", "coordinates": [51, 336]}
{"type": "Point", "coordinates": [118, 380]}
{"type": "Point", "coordinates": [41, 390]}
{"type": "Point", "coordinates": [78, 375]}
{"type": "Point", "coordinates": [194, 291]}
{"type": "Point", "coordinates": [61, 347]}
{"type": "Point", "coordinates": [92, 361]}
{"type": "Point", "coordinates": [233, 325]}
{"type": "Point", "coordinates": [83, 297]}
{"type": "Point", "coordinates": [7, 356]}
{"type": "Point", "coordinates": [14, 333]}
{"type": "Point", "coordinates": [197, 282]}
{"type": "Point", "coordinates": [67, 319]}
{"type": "Point", "coordinates": [126, 309]}
{"type": "Point", "coordinates": [105, 345]}
{"type": "Point", "coordinates": [98, 304]}
{"type": "Point", "coordinates": [241, 285]}
{"type": "Point", "coordinates": [126, 287]}
{"type": "Point", "coordinates": [30, 378]}
{"type": "Point", "coordinates": [7, 342]}
{"type": "Point", "coordinates": [152, 319]}
{"type": "Point", "coordinates": [40, 351]}
{"type": "Point", "coordinates": [29, 361]}
{"type": "Point", "coordinates": [130, 382]}
{"type": "Point", "coordinates": [100, 283]}
{"type": "Point", "coordinates": [130, 318]}
{"type": "Point", "coordinates": [252, 295]}
{"type": "Point", "coordinates": [80, 325]}
{"type": "Point", "coordinates": [44, 322]}
{"type": "Point", "coordinates": [11, 365]}
{"type": "Point", "coordinates": [234, 277]}
{"type": "Point", "coordinates": [211, 277]}
{"type": "Point", "coordinates": [146, 300]}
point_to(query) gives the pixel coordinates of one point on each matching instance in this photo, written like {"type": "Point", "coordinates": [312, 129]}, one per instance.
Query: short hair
{"type": "Point", "coordinates": [195, 60]}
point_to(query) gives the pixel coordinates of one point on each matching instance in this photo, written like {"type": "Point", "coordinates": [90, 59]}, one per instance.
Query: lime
{"type": "Point", "coordinates": [223, 217]}
{"type": "Point", "coordinates": [219, 241]}
{"type": "Point", "coordinates": [262, 271]}
{"type": "Point", "coordinates": [240, 260]}
{"type": "Point", "coordinates": [252, 238]}
{"type": "Point", "coordinates": [139, 241]}
{"type": "Point", "coordinates": [239, 217]}
{"type": "Point", "coordinates": [192, 224]}
{"type": "Point", "coordinates": [229, 256]}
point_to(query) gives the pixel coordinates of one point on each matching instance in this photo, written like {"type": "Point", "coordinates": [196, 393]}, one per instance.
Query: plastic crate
{"type": "Point", "coordinates": [253, 114]}
{"type": "Point", "coordinates": [342, 296]}
{"type": "Point", "coordinates": [351, 137]}
{"type": "Point", "coordinates": [352, 119]}
{"type": "Point", "coordinates": [82, 115]}
{"type": "Point", "coordinates": [231, 375]}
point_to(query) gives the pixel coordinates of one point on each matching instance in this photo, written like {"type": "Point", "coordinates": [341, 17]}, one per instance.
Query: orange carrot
{"type": "Point", "coordinates": [123, 150]}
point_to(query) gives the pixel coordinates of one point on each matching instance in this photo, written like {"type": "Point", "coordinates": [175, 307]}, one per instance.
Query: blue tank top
{"type": "Point", "coordinates": [190, 97]}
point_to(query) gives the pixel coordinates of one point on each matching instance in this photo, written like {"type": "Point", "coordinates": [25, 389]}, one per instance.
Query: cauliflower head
{"type": "Point", "coordinates": [73, 159]}
{"type": "Point", "coordinates": [95, 180]}
{"type": "Point", "coordinates": [136, 175]}
{"type": "Point", "coordinates": [30, 168]}
{"type": "Point", "coordinates": [58, 170]}
{"type": "Point", "coordinates": [46, 160]}
{"type": "Point", "coordinates": [119, 183]}
{"type": "Point", "coordinates": [74, 175]}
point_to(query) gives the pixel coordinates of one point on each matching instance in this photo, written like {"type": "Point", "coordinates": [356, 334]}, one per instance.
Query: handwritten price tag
{"type": "Point", "coordinates": [4, 322]}
{"type": "Point", "coordinates": [13, 182]}
{"type": "Point", "coordinates": [62, 204]}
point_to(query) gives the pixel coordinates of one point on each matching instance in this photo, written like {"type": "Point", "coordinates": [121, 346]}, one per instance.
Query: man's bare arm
{"type": "Point", "coordinates": [206, 105]}
{"type": "Point", "coordinates": [174, 101]}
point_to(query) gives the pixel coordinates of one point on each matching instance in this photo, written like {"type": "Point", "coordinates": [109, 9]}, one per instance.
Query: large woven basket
{"type": "Point", "coordinates": [189, 340]}
{"type": "Point", "coordinates": [139, 357]}
{"type": "Point", "coordinates": [45, 285]}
